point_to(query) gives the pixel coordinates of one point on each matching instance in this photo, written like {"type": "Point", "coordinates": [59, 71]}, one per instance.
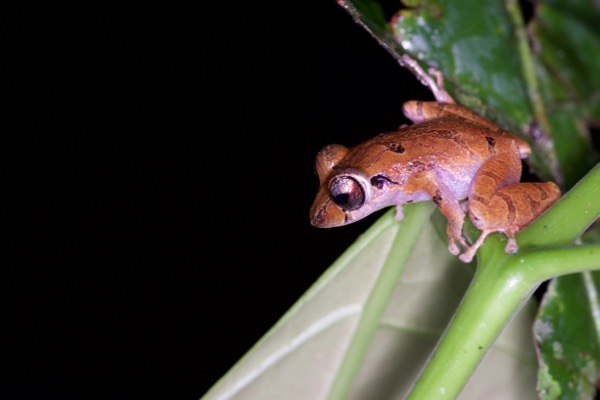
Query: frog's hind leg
{"type": "Point", "coordinates": [488, 210]}
{"type": "Point", "coordinates": [436, 86]}
{"type": "Point", "coordinates": [419, 111]}
{"type": "Point", "coordinates": [499, 203]}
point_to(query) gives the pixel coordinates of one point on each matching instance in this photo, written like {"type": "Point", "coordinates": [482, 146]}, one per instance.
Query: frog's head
{"type": "Point", "coordinates": [345, 194]}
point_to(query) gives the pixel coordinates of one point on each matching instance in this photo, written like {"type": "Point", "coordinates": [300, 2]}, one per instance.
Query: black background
{"type": "Point", "coordinates": [159, 177]}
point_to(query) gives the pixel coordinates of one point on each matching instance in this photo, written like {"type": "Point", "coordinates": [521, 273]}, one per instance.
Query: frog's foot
{"type": "Point", "coordinates": [511, 244]}
{"type": "Point", "coordinates": [454, 229]}
{"type": "Point", "coordinates": [436, 86]}
{"type": "Point", "coordinates": [467, 256]}
{"type": "Point", "coordinates": [469, 253]}
{"type": "Point", "coordinates": [453, 248]}
{"type": "Point", "coordinates": [440, 92]}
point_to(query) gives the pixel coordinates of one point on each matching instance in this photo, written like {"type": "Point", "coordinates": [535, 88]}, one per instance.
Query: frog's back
{"type": "Point", "coordinates": [448, 143]}
{"type": "Point", "coordinates": [418, 112]}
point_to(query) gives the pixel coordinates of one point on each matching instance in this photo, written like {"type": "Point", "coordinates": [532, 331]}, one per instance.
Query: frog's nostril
{"type": "Point", "coordinates": [319, 214]}
{"type": "Point", "coordinates": [317, 220]}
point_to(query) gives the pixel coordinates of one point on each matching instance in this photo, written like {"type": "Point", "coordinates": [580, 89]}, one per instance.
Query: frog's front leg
{"type": "Point", "coordinates": [448, 204]}
{"type": "Point", "coordinates": [454, 213]}
{"type": "Point", "coordinates": [399, 212]}
{"type": "Point", "coordinates": [499, 203]}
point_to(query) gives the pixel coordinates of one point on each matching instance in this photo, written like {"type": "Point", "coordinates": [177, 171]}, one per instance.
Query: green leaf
{"type": "Point", "coordinates": [473, 46]}
{"type": "Point", "coordinates": [477, 55]}
{"type": "Point", "coordinates": [408, 335]}
{"type": "Point", "coordinates": [312, 351]}
{"type": "Point", "coordinates": [547, 97]}
{"type": "Point", "coordinates": [332, 324]}
{"type": "Point", "coordinates": [569, 42]}
{"type": "Point", "coordinates": [568, 342]}
{"type": "Point", "coordinates": [569, 69]}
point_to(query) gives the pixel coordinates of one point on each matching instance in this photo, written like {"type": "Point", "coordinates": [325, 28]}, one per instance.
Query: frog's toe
{"type": "Point", "coordinates": [511, 246]}
{"type": "Point", "coordinates": [399, 213]}
{"type": "Point", "coordinates": [467, 256]}
{"type": "Point", "coordinates": [453, 248]}
{"type": "Point", "coordinates": [469, 253]}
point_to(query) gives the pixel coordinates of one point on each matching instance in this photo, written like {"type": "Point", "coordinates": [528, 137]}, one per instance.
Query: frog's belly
{"type": "Point", "coordinates": [457, 182]}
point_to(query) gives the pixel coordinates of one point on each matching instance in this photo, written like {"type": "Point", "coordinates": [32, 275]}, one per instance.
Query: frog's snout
{"type": "Point", "coordinates": [325, 214]}
{"type": "Point", "coordinates": [317, 220]}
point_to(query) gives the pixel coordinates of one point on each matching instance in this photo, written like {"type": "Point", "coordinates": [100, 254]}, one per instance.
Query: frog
{"type": "Point", "coordinates": [450, 155]}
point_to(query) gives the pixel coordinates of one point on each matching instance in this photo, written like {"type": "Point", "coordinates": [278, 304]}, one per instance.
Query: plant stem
{"type": "Point", "coordinates": [541, 265]}
{"type": "Point", "coordinates": [500, 287]}
{"type": "Point", "coordinates": [493, 298]}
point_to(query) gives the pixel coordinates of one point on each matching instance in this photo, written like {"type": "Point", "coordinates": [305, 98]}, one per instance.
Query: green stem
{"type": "Point", "coordinates": [500, 287]}
{"type": "Point", "coordinates": [541, 265]}
{"type": "Point", "coordinates": [490, 302]}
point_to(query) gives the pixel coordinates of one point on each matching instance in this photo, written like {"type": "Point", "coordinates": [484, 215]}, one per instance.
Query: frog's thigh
{"type": "Point", "coordinates": [495, 173]}
{"type": "Point", "coordinates": [515, 206]}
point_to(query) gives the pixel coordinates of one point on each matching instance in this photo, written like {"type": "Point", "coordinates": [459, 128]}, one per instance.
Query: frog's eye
{"type": "Point", "coordinates": [347, 193]}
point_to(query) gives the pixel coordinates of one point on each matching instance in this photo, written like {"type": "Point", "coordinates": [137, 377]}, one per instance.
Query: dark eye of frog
{"type": "Point", "coordinates": [347, 193]}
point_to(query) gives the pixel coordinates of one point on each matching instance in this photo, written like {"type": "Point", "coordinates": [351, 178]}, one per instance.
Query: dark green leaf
{"type": "Point", "coordinates": [569, 68]}
{"type": "Point", "coordinates": [567, 339]}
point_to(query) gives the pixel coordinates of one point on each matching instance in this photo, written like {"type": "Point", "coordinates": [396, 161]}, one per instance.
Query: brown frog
{"type": "Point", "coordinates": [448, 155]}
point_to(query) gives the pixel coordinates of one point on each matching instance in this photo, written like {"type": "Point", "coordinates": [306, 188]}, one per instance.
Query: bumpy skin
{"type": "Point", "coordinates": [450, 154]}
